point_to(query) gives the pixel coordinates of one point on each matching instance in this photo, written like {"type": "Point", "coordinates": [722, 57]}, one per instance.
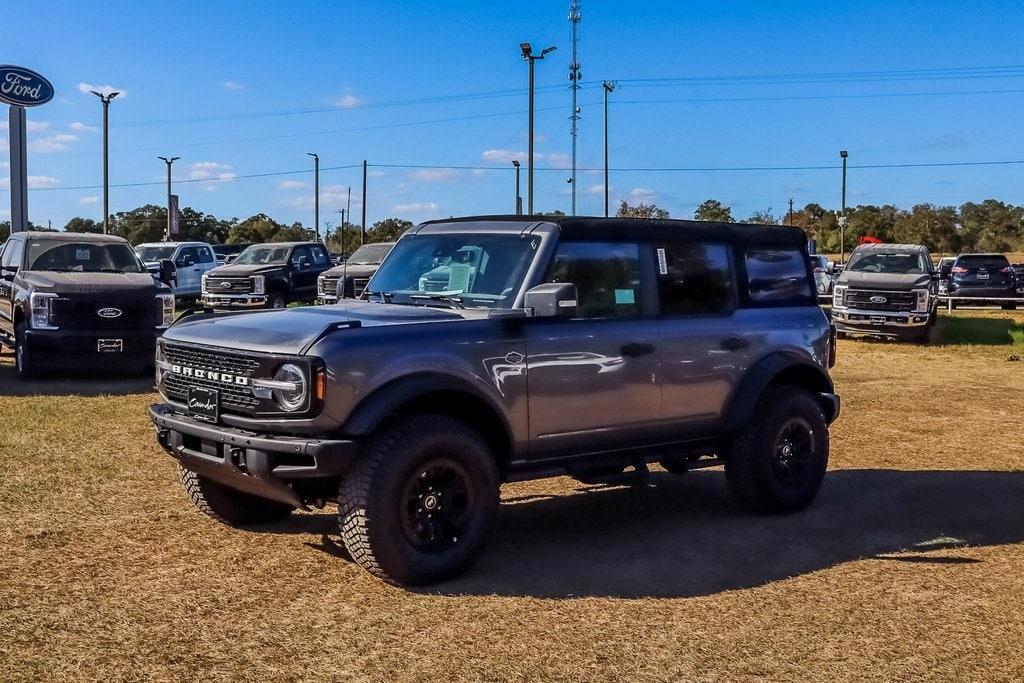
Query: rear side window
{"type": "Point", "coordinates": [991, 262]}
{"type": "Point", "coordinates": [778, 277]}
{"type": "Point", "coordinates": [606, 275]}
{"type": "Point", "coordinates": [320, 256]}
{"type": "Point", "coordinates": [694, 279]}
{"type": "Point", "coordinates": [205, 255]}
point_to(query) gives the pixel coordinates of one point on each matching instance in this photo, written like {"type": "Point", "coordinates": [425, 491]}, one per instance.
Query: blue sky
{"type": "Point", "coordinates": [238, 89]}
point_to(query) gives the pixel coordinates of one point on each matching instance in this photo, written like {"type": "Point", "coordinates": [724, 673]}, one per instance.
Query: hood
{"type": "Point", "coordinates": [232, 270]}
{"type": "Point", "coordinates": [861, 280]}
{"type": "Point", "coordinates": [293, 329]}
{"type": "Point", "coordinates": [118, 284]}
{"type": "Point", "coordinates": [353, 270]}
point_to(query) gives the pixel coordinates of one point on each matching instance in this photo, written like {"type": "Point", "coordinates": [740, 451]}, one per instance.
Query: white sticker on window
{"type": "Point", "coordinates": [82, 254]}
{"type": "Point", "coordinates": [662, 262]}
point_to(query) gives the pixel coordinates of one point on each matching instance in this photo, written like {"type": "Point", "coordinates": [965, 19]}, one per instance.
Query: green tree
{"type": "Point", "coordinates": [78, 224]}
{"type": "Point", "coordinates": [641, 210]}
{"type": "Point", "coordinates": [713, 210]}
{"type": "Point", "coordinates": [143, 224]}
{"type": "Point", "coordinates": [991, 226]}
{"type": "Point", "coordinates": [387, 230]}
{"type": "Point", "coordinates": [5, 230]}
{"type": "Point", "coordinates": [765, 217]}
{"type": "Point", "coordinates": [254, 229]}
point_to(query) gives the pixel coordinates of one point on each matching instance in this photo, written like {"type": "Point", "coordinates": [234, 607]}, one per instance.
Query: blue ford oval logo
{"type": "Point", "coordinates": [23, 87]}
{"type": "Point", "coordinates": [109, 312]}
{"type": "Point", "coordinates": [878, 299]}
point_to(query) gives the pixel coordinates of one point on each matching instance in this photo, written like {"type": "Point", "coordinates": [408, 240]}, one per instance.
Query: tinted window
{"type": "Point", "coordinates": [320, 256]}
{"type": "Point", "coordinates": [83, 257]}
{"type": "Point", "coordinates": [777, 276]}
{"type": "Point", "coordinates": [187, 254]}
{"type": "Point", "coordinates": [897, 263]}
{"type": "Point", "coordinates": [607, 277]}
{"type": "Point", "coordinates": [298, 254]}
{"type": "Point", "coordinates": [694, 278]}
{"type": "Point", "coordinates": [205, 255]}
{"type": "Point", "coordinates": [12, 254]}
{"type": "Point", "coordinates": [989, 261]}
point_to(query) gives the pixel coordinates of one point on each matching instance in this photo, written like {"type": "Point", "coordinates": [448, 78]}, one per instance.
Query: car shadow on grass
{"type": "Point", "coordinates": [74, 382]}
{"type": "Point", "coordinates": [683, 536]}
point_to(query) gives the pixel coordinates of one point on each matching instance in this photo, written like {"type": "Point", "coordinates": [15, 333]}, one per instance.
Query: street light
{"type": "Point", "coordinates": [842, 222]}
{"type": "Point", "coordinates": [167, 235]}
{"type": "Point", "coordinates": [519, 200]}
{"type": "Point", "coordinates": [527, 52]}
{"type": "Point", "coordinates": [105, 99]}
{"type": "Point", "coordinates": [607, 86]}
{"type": "Point", "coordinates": [316, 193]}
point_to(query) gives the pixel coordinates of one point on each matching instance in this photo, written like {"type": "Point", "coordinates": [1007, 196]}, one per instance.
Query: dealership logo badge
{"type": "Point", "coordinates": [878, 300]}
{"type": "Point", "coordinates": [24, 87]}
{"type": "Point", "coordinates": [109, 312]}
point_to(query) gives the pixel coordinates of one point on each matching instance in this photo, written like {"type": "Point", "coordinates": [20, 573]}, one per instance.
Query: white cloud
{"type": "Point", "coordinates": [434, 175]}
{"type": "Point", "coordinates": [416, 207]}
{"type": "Point", "coordinates": [503, 156]}
{"type": "Point", "coordinates": [104, 89]}
{"type": "Point", "coordinates": [35, 182]}
{"type": "Point", "coordinates": [641, 194]}
{"type": "Point", "coordinates": [52, 143]}
{"type": "Point", "coordinates": [204, 170]}
{"type": "Point", "coordinates": [557, 160]}
{"type": "Point", "coordinates": [291, 184]}
{"type": "Point", "coordinates": [83, 127]}
{"type": "Point", "coordinates": [596, 189]}
{"type": "Point", "coordinates": [233, 86]}
{"type": "Point", "coordinates": [348, 101]}
{"type": "Point", "coordinates": [36, 126]}
{"type": "Point", "coordinates": [92, 199]}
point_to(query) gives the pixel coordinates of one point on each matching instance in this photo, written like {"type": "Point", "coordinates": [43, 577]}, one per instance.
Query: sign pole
{"type": "Point", "coordinates": [19, 169]}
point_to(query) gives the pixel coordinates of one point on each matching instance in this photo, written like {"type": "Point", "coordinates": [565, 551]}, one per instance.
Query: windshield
{"type": "Point", "coordinates": [261, 254]}
{"type": "Point", "coordinates": [891, 262]}
{"type": "Point", "coordinates": [479, 270]}
{"type": "Point", "coordinates": [150, 253]}
{"type": "Point", "coordinates": [82, 257]}
{"type": "Point", "coordinates": [369, 254]}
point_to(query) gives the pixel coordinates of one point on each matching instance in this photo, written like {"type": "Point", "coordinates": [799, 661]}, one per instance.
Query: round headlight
{"type": "Point", "coordinates": [290, 399]}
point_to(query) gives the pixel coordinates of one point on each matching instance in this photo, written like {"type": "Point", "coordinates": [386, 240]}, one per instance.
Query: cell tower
{"type": "Point", "coordinates": [574, 78]}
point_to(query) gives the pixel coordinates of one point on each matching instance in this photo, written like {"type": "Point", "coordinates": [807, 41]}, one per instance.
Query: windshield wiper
{"type": "Point", "coordinates": [385, 297]}
{"type": "Point", "coordinates": [454, 301]}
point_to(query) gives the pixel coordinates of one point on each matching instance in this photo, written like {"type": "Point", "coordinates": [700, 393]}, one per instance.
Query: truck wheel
{"type": "Point", "coordinates": [277, 300]}
{"type": "Point", "coordinates": [418, 506]}
{"type": "Point", "coordinates": [777, 461]}
{"type": "Point", "coordinates": [229, 506]}
{"type": "Point", "coordinates": [24, 363]}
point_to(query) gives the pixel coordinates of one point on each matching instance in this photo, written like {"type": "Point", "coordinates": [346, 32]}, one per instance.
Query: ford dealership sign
{"type": "Point", "coordinates": [23, 87]}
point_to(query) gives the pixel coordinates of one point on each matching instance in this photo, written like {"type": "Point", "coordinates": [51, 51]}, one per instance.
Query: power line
{"type": "Point", "coordinates": [198, 180]}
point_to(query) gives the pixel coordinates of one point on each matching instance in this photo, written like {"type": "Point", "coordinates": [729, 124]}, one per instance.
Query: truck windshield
{"type": "Point", "coordinates": [82, 257]}
{"type": "Point", "coordinates": [154, 253]}
{"type": "Point", "coordinates": [477, 270]}
{"type": "Point", "coordinates": [260, 254]}
{"type": "Point", "coordinates": [887, 262]}
{"type": "Point", "coordinates": [369, 254]}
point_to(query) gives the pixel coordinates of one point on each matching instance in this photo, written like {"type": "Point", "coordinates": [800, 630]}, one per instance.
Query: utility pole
{"type": "Point", "coordinates": [519, 199]}
{"type": "Point", "coordinates": [341, 229]}
{"type": "Point", "coordinates": [362, 228]}
{"type": "Point", "coordinates": [842, 222]}
{"type": "Point", "coordinates": [316, 193]}
{"type": "Point", "coordinates": [607, 86]}
{"type": "Point", "coordinates": [105, 99]}
{"type": "Point", "coordinates": [574, 77]}
{"type": "Point", "coordinates": [169, 162]}
{"type": "Point", "coordinates": [348, 207]}
{"type": "Point", "coordinates": [789, 219]}
{"type": "Point", "coordinates": [527, 52]}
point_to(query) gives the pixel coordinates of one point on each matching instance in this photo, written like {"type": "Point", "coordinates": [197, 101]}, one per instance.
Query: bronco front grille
{"type": "Point", "coordinates": [875, 300]}
{"type": "Point", "coordinates": [219, 284]}
{"type": "Point", "coordinates": [232, 398]}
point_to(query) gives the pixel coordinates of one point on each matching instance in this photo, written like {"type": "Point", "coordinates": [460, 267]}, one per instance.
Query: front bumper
{"type": "Point", "coordinates": [324, 299]}
{"type": "Point", "coordinates": [235, 300]}
{"type": "Point", "coordinates": [260, 465]}
{"type": "Point", "coordinates": [70, 348]}
{"type": "Point", "coordinates": [890, 323]}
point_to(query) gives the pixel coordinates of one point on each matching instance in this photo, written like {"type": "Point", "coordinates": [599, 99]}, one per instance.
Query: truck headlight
{"type": "Point", "coordinates": [259, 284]}
{"type": "Point", "coordinates": [203, 285]}
{"type": "Point", "coordinates": [290, 393]}
{"type": "Point", "coordinates": [160, 365]}
{"type": "Point", "coordinates": [921, 301]}
{"type": "Point", "coordinates": [41, 304]}
{"type": "Point", "coordinates": [320, 284]}
{"type": "Point", "coordinates": [837, 296]}
{"type": "Point", "coordinates": [166, 310]}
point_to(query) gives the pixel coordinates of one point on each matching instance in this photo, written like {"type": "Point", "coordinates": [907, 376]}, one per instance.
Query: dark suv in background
{"type": "Point", "coordinates": [348, 280]}
{"type": "Point", "coordinates": [267, 276]}
{"type": "Point", "coordinates": [68, 300]}
{"type": "Point", "coordinates": [983, 278]}
{"type": "Point", "coordinates": [498, 349]}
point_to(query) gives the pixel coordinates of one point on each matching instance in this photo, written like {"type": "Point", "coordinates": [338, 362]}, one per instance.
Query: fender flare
{"type": "Point", "coordinates": [764, 372]}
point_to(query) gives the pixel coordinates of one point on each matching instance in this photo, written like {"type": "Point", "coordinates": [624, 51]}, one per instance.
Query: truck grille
{"type": "Point", "coordinates": [358, 285]}
{"type": "Point", "coordinates": [220, 284]}
{"type": "Point", "coordinates": [232, 398]}
{"type": "Point", "coordinates": [83, 314]}
{"type": "Point", "coordinates": [329, 285]}
{"type": "Point", "coordinates": [893, 301]}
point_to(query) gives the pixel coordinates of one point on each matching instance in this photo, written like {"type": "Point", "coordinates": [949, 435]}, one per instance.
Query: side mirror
{"type": "Point", "coordinates": [230, 257]}
{"type": "Point", "coordinates": [167, 272]}
{"type": "Point", "coordinates": [944, 272]}
{"type": "Point", "coordinates": [552, 300]}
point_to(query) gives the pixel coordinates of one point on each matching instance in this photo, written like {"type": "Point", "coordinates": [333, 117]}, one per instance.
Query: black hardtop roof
{"type": "Point", "coordinates": [73, 237]}
{"type": "Point", "coordinates": [613, 229]}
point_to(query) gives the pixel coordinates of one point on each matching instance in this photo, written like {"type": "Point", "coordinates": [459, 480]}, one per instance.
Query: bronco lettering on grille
{"type": "Point", "coordinates": [210, 375]}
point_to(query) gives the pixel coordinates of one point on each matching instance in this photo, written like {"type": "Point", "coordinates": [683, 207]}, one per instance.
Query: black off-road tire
{"type": "Point", "coordinates": [24, 361]}
{"type": "Point", "coordinates": [380, 514]}
{"type": "Point", "coordinates": [277, 300]}
{"type": "Point", "coordinates": [758, 475]}
{"type": "Point", "coordinates": [228, 506]}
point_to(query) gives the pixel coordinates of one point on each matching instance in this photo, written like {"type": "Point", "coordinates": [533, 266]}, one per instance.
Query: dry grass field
{"type": "Point", "coordinates": [908, 566]}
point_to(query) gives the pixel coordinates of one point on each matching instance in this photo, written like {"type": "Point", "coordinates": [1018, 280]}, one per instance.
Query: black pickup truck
{"type": "Point", "coordinates": [267, 276]}
{"type": "Point", "coordinates": [68, 298]}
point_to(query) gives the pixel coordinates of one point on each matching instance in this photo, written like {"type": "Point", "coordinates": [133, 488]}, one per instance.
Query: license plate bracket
{"type": "Point", "coordinates": [109, 345]}
{"type": "Point", "coordinates": [203, 403]}
{"type": "Point", "coordinates": [878, 319]}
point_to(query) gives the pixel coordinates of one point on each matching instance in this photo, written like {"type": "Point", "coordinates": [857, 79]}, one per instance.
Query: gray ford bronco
{"type": "Point", "coordinates": [495, 349]}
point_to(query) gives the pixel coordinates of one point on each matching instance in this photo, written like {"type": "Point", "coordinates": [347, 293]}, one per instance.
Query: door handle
{"type": "Point", "coordinates": [735, 343]}
{"type": "Point", "coordinates": [636, 349]}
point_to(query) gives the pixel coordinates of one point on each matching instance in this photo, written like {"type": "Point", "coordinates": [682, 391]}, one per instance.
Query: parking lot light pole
{"type": "Point", "coordinates": [316, 193]}
{"type": "Point", "coordinates": [607, 86]}
{"type": "Point", "coordinates": [842, 223]}
{"type": "Point", "coordinates": [105, 99]}
{"type": "Point", "coordinates": [169, 162]}
{"type": "Point", "coordinates": [519, 199]}
{"type": "Point", "coordinates": [527, 52]}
